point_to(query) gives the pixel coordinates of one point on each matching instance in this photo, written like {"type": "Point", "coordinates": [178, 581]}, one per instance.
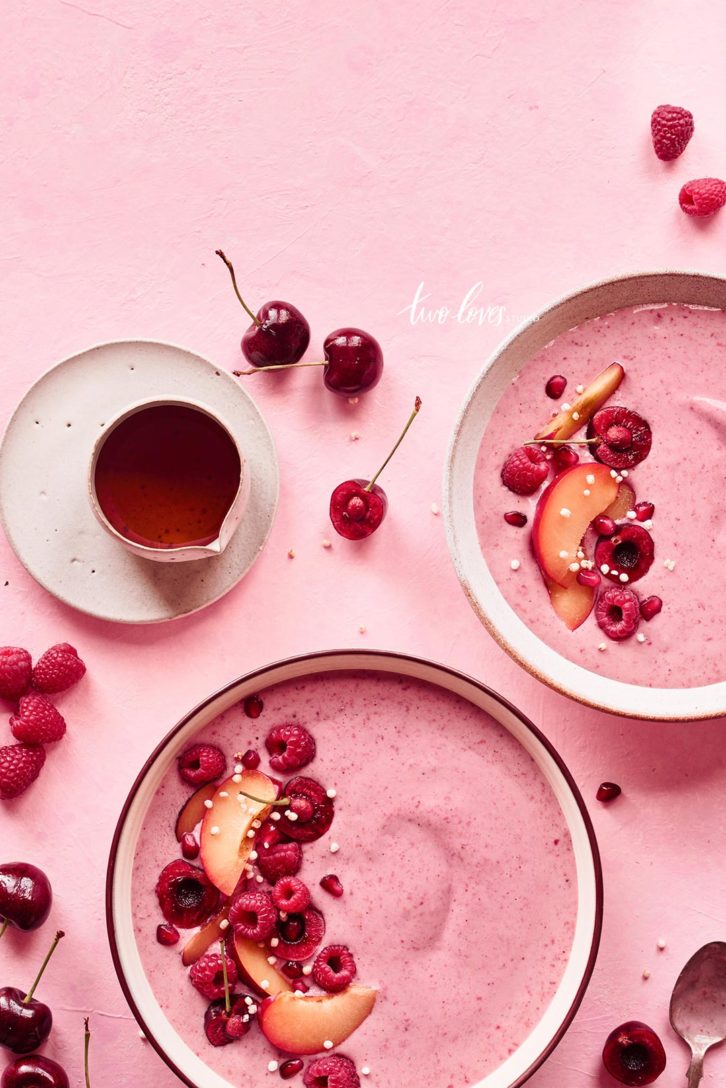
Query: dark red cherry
{"type": "Point", "coordinates": [634, 1054]}
{"type": "Point", "coordinates": [35, 1071]}
{"type": "Point", "coordinates": [24, 1022]}
{"type": "Point", "coordinates": [25, 895]}
{"type": "Point", "coordinates": [357, 507]}
{"type": "Point", "coordinates": [354, 362]}
{"type": "Point", "coordinates": [629, 551]}
{"type": "Point", "coordinates": [279, 334]}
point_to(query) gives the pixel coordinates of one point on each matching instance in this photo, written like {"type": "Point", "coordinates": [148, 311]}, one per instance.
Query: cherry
{"type": "Point", "coordinates": [227, 1018]}
{"type": "Point", "coordinates": [634, 1054]}
{"type": "Point", "coordinates": [278, 335]}
{"type": "Point", "coordinates": [357, 507]}
{"type": "Point", "coordinates": [35, 1071]}
{"type": "Point", "coordinates": [25, 1023]}
{"type": "Point", "coordinates": [25, 896]}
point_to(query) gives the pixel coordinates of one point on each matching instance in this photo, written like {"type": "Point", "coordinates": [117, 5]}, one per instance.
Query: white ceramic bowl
{"type": "Point", "coordinates": [664, 704]}
{"type": "Point", "coordinates": [137, 988]}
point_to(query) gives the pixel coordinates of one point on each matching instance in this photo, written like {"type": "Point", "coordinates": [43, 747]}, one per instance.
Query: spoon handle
{"type": "Point", "coordinates": [695, 1070]}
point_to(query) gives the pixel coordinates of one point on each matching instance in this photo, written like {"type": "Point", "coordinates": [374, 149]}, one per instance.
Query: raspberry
{"type": "Point", "coordinates": [253, 915]}
{"type": "Point", "coordinates": [16, 669]}
{"type": "Point", "coordinates": [222, 1027]}
{"type": "Point", "coordinates": [37, 721]}
{"type": "Point", "coordinates": [290, 746]}
{"type": "Point", "coordinates": [671, 128]}
{"type": "Point", "coordinates": [311, 807]}
{"type": "Point", "coordinates": [200, 764]}
{"type": "Point", "coordinates": [703, 196]}
{"type": "Point", "coordinates": [20, 764]}
{"type": "Point", "coordinates": [618, 612]}
{"type": "Point", "coordinates": [300, 934]}
{"type": "Point", "coordinates": [331, 1072]}
{"type": "Point", "coordinates": [290, 894]}
{"type": "Point", "coordinates": [334, 968]}
{"type": "Point", "coordinates": [525, 470]}
{"type": "Point", "coordinates": [332, 885]}
{"type": "Point", "coordinates": [207, 975]}
{"type": "Point", "coordinates": [186, 895]}
{"type": "Point", "coordinates": [58, 668]}
{"type": "Point", "coordinates": [282, 859]}
{"type": "Point", "coordinates": [167, 934]}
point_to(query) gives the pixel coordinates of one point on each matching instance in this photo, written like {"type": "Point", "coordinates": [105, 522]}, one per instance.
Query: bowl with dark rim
{"type": "Point", "coordinates": [576, 970]}
{"type": "Point", "coordinates": [481, 589]}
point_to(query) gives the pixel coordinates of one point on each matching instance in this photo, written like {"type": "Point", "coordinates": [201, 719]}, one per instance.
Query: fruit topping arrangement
{"type": "Point", "coordinates": [35, 721]}
{"type": "Point", "coordinates": [257, 954]}
{"type": "Point", "coordinates": [590, 537]}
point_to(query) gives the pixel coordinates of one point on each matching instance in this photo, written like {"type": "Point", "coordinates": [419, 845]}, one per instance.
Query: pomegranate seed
{"type": "Point", "coordinates": [291, 1067]}
{"type": "Point", "coordinates": [650, 607]}
{"type": "Point", "coordinates": [588, 578]}
{"type": "Point", "coordinates": [300, 985]}
{"type": "Point", "coordinates": [564, 457]}
{"type": "Point", "coordinates": [332, 885]}
{"type": "Point", "coordinates": [167, 934]}
{"type": "Point", "coordinates": [293, 929]}
{"type": "Point", "coordinates": [292, 969]}
{"type": "Point", "coordinates": [608, 791]}
{"type": "Point", "coordinates": [251, 759]}
{"type": "Point", "coordinates": [556, 386]}
{"type": "Point", "coordinates": [516, 519]}
{"type": "Point", "coordinates": [604, 525]}
{"type": "Point", "coordinates": [253, 706]}
{"type": "Point", "coordinates": [189, 847]}
{"type": "Point", "coordinates": [644, 510]}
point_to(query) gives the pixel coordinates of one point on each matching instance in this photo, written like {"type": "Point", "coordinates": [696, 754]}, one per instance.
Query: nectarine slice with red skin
{"type": "Point", "coordinates": [255, 969]}
{"type": "Point", "coordinates": [564, 425]}
{"type": "Point", "coordinates": [572, 603]}
{"type": "Point", "coordinates": [302, 1025]}
{"type": "Point", "coordinates": [564, 511]}
{"type": "Point", "coordinates": [225, 842]}
{"type": "Point", "coordinates": [624, 501]}
{"type": "Point", "coordinates": [192, 811]}
{"type": "Point", "coordinates": [198, 944]}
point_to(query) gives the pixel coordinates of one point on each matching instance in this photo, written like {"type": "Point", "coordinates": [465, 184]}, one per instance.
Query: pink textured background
{"type": "Point", "coordinates": [342, 154]}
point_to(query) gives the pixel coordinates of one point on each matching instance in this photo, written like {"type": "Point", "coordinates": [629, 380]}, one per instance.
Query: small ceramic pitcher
{"type": "Point", "coordinates": [162, 553]}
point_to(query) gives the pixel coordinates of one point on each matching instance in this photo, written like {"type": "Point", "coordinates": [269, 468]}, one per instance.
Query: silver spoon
{"type": "Point", "coordinates": [698, 1005]}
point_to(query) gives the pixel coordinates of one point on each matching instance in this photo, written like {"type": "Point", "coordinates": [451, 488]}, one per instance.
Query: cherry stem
{"type": "Point", "coordinates": [29, 996]}
{"type": "Point", "coordinates": [86, 1043]}
{"type": "Point", "coordinates": [414, 413]}
{"type": "Point", "coordinates": [563, 442]}
{"type": "Point", "coordinates": [220, 253]}
{"type": "Point", "coordinates": [263, 801]}
{"type": "Point", "coordinates": [5, 925]}
{"type": "Point", "coordinates": [227, 1002]}
{"type": "Point", "coordinates": [277, 366]}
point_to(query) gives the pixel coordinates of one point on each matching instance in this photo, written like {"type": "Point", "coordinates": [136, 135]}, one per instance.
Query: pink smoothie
{"type": "Point", "coordinates": [460, 893]}
{"type": "Point", "coordinates": [676, 378]}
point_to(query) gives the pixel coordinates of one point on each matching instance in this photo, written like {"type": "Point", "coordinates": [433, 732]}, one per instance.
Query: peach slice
{"type": "Point", "coordinates": [564, 511]}
{"type": "Point", "coordinates": [302, 1025]}
{"type": "Point", "coordinates": [227, 833]}
{"type": "Point", "coordinates": [624, 501]}
{"type": "Point", "coordinates": [572, 603]}
{"type": "Point", "coordinates": [255, 968]}
{"type": "Point", "coordinates": [197, 945]}
{"type": "Point", "coordinates": [584, 407]}
{"type": "Point", "coordinates": [192, 811]}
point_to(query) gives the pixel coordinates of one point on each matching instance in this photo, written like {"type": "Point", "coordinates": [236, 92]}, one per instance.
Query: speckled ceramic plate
{"type": "Point", "coordinates": [138, 987]}
{"type": "Point", "coordinates": [44, 462]}
{"type": "Point", "coordinates": [593, 689]}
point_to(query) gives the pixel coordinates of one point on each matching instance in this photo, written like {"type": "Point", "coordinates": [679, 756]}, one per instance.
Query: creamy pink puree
{"type": "Point", "coordinates": [675, 362]}
{"type": "Point", "coordinates": [459, 878]}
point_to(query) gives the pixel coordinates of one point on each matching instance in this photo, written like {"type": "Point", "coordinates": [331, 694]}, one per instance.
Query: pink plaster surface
{"type": "Point", "coordinates": [342, 154]}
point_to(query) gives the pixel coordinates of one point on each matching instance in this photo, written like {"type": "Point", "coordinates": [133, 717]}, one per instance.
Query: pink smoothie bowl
{"type": "Point", "coordinates": [578, 968]}
{"type": "Point", "coordinates": [480, 587]}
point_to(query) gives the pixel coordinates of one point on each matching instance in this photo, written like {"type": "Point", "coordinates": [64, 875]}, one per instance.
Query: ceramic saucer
{"type": "Point", "coordinates": [44, 503]}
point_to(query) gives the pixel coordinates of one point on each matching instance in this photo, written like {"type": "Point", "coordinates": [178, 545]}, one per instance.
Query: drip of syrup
{"type": "Point", "coordinates": [167, 476]}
